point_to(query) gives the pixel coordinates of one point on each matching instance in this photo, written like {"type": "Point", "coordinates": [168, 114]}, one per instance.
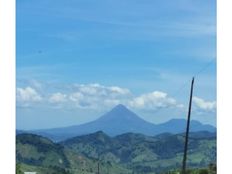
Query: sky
{"type": "Point", "coordinates": [77, 59]}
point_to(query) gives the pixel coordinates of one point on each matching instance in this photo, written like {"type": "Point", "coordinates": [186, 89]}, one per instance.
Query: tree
{"type": "Point", "coordinates": [18, 169]}
{"type": "Point", "coordinates": [203, 171]}
{"type": "Point", "coordinates": [212, 168]}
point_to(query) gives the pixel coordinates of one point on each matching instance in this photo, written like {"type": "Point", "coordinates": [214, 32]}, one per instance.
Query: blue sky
{"type": "Point", "coordinates": [76, 59]}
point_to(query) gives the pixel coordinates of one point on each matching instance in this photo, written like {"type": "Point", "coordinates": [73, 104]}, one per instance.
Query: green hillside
{"type": "Point", "coordinates": [144, 154]}
{"type": "Point", "coordinates": [127, 153]}
{"type": "Point", "coordinates": [40, 151]}
{"type": "Point", "coordinates": [36, 153]}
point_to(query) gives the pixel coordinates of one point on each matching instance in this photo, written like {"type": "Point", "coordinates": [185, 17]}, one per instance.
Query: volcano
{"type": "Point", "coordinates": [121, 120]}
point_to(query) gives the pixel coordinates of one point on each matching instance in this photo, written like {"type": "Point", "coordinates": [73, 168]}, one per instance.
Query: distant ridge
{"type": "Point", "coordinates": [121, 120]}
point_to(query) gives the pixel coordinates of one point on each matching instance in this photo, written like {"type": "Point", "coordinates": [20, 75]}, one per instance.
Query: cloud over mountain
{"type": "Point", "coordinates": [95, 95]}
{"type": "Point", "coordinates": [57, 97]}
{"type": "Point", "coordinates": [156, 99]}
{"type": "Point", "coordinates": [27, 94]}
{"type": "Point", "coordinates": [99, 97]}
{"type": "Point", "coordinates": [203, 105]}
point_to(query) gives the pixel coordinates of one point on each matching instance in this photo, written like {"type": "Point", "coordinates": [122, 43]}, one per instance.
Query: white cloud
{"type": "Point", "coordinates": [57, 98]}
{"type": "Point", "coordinates": [100, 90]}
{"type": "Point", "coordinates": [96, 96]}
{"type": "Point", "coordinates": [204, 105]}
{"type": "Point", "coordinates": [154, 100]}
{"type": "Point", "coordinates": [77, 96]}
{"type": "Point", "coordinates": [119, 91]}
{"type": "Point", "coordinates": [27, 94]}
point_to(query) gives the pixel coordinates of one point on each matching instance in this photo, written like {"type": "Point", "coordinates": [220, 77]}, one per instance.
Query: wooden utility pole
{"type": "Point", "coordinates": [187, 130]}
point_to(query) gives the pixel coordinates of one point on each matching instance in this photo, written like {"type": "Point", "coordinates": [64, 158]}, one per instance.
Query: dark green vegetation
{"type": "Point", "coordinates": [126, 153]}
{"type": "Point", "coordinates": [34, 150]}
{"type": "Point", "coordinates": [211, 169]}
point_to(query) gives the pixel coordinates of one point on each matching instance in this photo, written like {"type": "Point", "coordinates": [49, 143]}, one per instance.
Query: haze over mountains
{"type": "Point", "coordinates": [121, 120]}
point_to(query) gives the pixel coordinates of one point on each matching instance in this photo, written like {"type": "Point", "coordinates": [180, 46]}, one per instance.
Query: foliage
{"type": "Point", "coordinates": [18, 169]}
{"type": "Point", "coordinates": [128, 153]}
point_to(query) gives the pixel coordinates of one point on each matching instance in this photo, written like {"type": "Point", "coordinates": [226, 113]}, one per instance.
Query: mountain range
{"type": "Point", "coordinates": [121, 120]}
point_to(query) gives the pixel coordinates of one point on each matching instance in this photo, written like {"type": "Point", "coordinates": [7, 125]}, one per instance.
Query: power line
{"type": "Point", "coordinates": [205, 67]}
{"type": "Point", "coordinates": [180, 89]}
